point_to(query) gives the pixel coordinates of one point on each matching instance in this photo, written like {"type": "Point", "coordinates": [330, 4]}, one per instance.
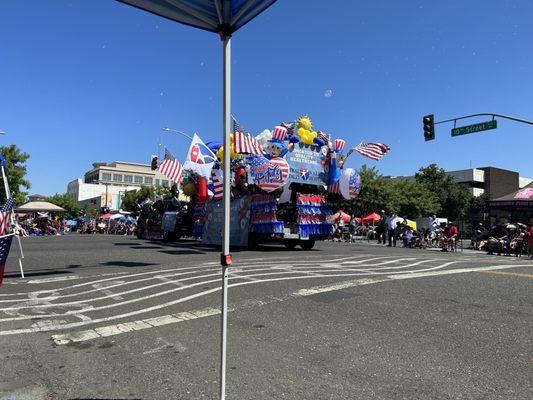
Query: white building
{"type": "Point", "coordinates": [104, 184]}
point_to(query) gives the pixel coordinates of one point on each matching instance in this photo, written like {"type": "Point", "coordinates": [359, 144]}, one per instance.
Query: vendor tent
{"type": "Point", "coordinates": [518, 205]}
{"type": "Point", "coordinates": [341, 215]}
{"type": "Point", "coordinates": [116, 216]}
{"type": "Point", "coordinates": [39, 206]}
{"type": "Point", "coordinates": [106, 216]}
{"type": "Point", "coordinates": [371, 218]}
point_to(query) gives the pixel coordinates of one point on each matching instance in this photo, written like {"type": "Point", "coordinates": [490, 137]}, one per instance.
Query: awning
{"type": "Point", "coordinates": [39, 206]}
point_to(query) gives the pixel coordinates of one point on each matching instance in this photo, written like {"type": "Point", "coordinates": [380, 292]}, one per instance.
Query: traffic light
{"type": "Point", "coordinates": [429, 127]}
{"type": "Point", "coordinates": [154, 163]}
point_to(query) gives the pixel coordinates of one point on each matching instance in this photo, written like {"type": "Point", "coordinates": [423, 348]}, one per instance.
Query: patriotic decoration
{"type": "Point", "coordinates": [324, 136]}
{"type": "Point", "coordinates": [338, 145]}
{"type": "Point", "coordinates": [371, 150]}
{"type": "Point", "coordinates": [238, 127]}
{"type": "Point", "coordinates": [525, 193]}
{"type": "Point", "coordinates": [349, 184]}
{"type": "Point", "coordinates": [171, 168]}
{"type": "Point", "coordinates": [279, 133]}
{"type": "Point", "coordinates": [269, 175]}
{"type": "Point", "coordinates": [245, 143]}
{"type": "Point", "coordinates": [218, 183]}
{"type": "Point", "coordinates": [334, 188]}
{"type": "Point", "coordinates": [5, 216]}
{"type": "Point", "coordinates": [200, 159]}
{"type": "Point", "coordinates": [5, 240]}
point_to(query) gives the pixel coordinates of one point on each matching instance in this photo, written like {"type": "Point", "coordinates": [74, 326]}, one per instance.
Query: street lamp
{"type": "Point", "coordinates": [167, 129]}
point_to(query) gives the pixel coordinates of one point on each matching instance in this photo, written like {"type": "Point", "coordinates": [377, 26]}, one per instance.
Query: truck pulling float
{"type": "Point", "coordinates": [282, 185]}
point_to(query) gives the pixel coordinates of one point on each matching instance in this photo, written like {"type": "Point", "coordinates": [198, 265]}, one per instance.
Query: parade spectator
{"type": "Point", "coordinates": [392, 223]}
{"type": "Point", "coordinates": [407, 236]}
{"type": "Point", "coordinates": [530, 237]}
{"type": "Point", "coordinates": [449, 237]}
{"type": "Point", "coordinates": [497, 238]}
{"type": "Point", "coordinates": [381, 229]}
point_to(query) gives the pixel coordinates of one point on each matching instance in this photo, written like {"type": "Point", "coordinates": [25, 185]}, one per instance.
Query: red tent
{"type": "Point", "coordinates": [372, 217]}
{"type": "Point", "coordinates": [341, 215]}
{"type": "Point", "coordinates": [106, 216]}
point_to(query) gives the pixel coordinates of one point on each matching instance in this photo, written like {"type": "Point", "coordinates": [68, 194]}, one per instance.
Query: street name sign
{"type": "Point", "coordinates": [482, 126]}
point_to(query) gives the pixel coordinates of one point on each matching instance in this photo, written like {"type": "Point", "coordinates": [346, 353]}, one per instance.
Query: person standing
{"type": "Point", "coordinates": [392, 223]}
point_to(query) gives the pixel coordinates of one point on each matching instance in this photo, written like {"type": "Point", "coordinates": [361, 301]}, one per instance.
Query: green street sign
{"type": "Point", "coordinates": [482, 126]}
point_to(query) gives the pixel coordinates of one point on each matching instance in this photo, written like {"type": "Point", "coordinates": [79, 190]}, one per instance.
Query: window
{"type": "Point", "coordinates": [148, 180]}
{"type": "Point", "coordinates": [138, 179]}
{"type": "Point", "coordinates": [106, 176]}
{"type": "Point", "coordinates": [157, 182]}
{"type": "Point", "coordinates": [164, 182]}
{"type": "Point", "coordinates": [128, 178]}
{"type": "Point", "coordinates": [117, 177]}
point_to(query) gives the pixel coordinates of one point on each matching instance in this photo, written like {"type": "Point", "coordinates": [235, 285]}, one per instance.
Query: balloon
{"type": "Point", "coordinates": [213, 146]}
{"type": "Point", "coordinates": [269, 175]}
{"type": "Point", "coordinates": [202, 189]}
{"type": "Point", "coordinates": [304, 122]}
{"type": "Point", "coordinates": [264, 137]}
{"type": "Point", "coordinates": [349, 184]}
{"type": "Point", "coordinates": [306, 136]}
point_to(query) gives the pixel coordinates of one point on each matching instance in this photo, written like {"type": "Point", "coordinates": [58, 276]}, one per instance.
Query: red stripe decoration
{"type": "Point", "coordinates": [5, 222]}
{"type": "Point", "coordinates": [218, 183]}
{"type": "Point", "coordinates": [338, 144]}
{"type": "Point", "coordinates": [246, 144]}
{"type": "Point", "coordinates": [334, 188]}
{"type": "Point", "coordinates": [172, 169]}
{"type": "Point", "coordinates": [372, 150]}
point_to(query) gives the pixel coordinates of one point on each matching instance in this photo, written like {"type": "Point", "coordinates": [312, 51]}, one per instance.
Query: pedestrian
{"type": "Point", "coordinates": [381, 228]}
{"type": "Point", "coordinates": [392, 223]}
{"type": "Point", "coordinates": [530, 237]}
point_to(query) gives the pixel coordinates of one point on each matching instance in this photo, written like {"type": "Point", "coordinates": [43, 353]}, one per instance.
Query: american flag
{"type": "Point", "coordinates": [171, 168]}
{"type": "Point", "coordinates": [218, 183]}
{"type": "Point", "coordinates": [269, 175]}
{"type": "Point", "coordinates": [244, 142]}
{"type": "Point", "coordinates": [324, 136]}
{"type": "Point", "coordinates": [5, 216]}
{"type": "Point", "coordinates": [5, 242]}
{"type": "Point", "coordinates": [371, 150]}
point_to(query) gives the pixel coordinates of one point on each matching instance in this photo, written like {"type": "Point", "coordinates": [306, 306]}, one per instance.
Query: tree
{"type": "Point", "coordinates": [131, 199]}
{"type": "Point", "coordinates": [67, 202]}
{"type": "Point", "coordinates": [452, 197]}
{"type": "Point", "coordinates": [16, 172]}
{"type": "Point", "coordinates": [413, 200]}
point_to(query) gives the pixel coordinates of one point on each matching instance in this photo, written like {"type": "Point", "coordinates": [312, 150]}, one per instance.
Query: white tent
{"type": "Point", "coordinates": [39, 206]}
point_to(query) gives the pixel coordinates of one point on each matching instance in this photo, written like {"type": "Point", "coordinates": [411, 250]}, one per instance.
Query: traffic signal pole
{"type": "Point", "coordinates": [493, 115]}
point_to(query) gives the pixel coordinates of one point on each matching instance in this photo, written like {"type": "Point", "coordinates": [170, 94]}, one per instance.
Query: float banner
{"type": "Point", "coordinates": [239, 222]}
{"type": "Point", "coordinates": [305, 164]}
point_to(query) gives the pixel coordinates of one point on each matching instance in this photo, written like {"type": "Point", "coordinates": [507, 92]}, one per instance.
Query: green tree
{"type": "Point", "coordinates": [16, 173]}
{"type": "Point", "coordinates": [131, 199]}
{"type": "Point", "coordinates": [412, 199]}
{"type": "Point", "coordinates": [67, 202]}
{"type": "Point", "coordinates": [453, 198]}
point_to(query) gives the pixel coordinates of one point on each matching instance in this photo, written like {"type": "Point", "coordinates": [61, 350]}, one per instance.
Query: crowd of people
{"type": "Point", "coordinates": [502, 238]}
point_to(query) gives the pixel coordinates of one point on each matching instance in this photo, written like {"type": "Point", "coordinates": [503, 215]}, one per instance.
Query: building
{"type": "Point", "coordinates": [36, 197]}
{"type": "Point", "coordinates": [104, 184]}
{"type": "Point", "coordinates": [495, 182]}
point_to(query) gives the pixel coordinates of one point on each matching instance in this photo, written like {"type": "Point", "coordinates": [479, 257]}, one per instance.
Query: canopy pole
{"type": "Point", "coordinates": [225, 256]}
{"type": "Point", "coordinates": [8, 195]}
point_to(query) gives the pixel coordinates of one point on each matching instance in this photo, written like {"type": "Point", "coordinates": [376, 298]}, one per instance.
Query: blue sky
{"type": "Point", "coordinates": [85, 81]}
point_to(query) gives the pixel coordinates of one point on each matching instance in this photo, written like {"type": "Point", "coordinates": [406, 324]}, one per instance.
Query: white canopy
{"type": "Point", "coordinates": [39, 206]}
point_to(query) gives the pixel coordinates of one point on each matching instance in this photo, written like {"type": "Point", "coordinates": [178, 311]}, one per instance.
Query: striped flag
{"type": "Point", "coordinates": [171, 168]}
{"type": "Point", "coordinates": [5, 242]}
{"type": "Point", "coordinates": [5, 216]}
{"type": "Point", "coordinates": [218, 183]}
{"type": "Point", "coordinates": [334, 187]}
{"type": "Point", "coordinates": [246, 144]}
{"type": "Point", "coordinates": [371, 150]}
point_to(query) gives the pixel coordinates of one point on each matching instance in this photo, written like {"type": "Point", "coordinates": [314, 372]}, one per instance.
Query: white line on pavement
{"type": "Point", "coordinates": [176, 318]}
{"type": "Point", "coordinates": [206, 292]}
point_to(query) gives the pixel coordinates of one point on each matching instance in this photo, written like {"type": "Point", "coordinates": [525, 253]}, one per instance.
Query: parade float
{"type": "Point", "coordinates": [282, 183]}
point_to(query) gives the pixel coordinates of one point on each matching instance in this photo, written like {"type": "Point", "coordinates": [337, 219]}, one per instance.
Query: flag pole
{"type": "Point", "coordinates": [225, 257]}
{"type": "Point", "coordinates": [8, 195]}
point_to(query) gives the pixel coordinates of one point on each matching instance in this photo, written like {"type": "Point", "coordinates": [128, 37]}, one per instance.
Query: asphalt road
{"type": "Point", "coordinates": [109, 317]}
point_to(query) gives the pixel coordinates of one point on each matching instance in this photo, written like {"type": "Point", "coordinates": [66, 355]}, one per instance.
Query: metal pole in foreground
{"type": "Point", "coordinates": [225, 257]}
{"type": "Point", "coordinates": [8, 195]}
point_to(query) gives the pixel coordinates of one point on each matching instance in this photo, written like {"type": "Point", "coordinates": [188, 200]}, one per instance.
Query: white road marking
{"type": "Point", "coordinates": [111, 330]}
{"type": "Point", "coordinates": [103, 287]}
{"type": "Point", "coordinates": [176, 318]}
{"type": "Point", "coordinates": [207, 292]}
